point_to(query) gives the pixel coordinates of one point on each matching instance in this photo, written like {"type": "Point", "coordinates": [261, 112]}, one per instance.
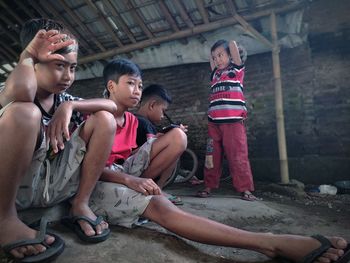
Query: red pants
{"type": "Point", "coordinates": [230, 139]}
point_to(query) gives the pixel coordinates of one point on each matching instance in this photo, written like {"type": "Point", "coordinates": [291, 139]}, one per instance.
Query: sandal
{"type": "Point", "coordinates": [248, 196]}
{"type": "Point", "coordinates": [175, 200]}
{"type": "Point", "coordinates": [72, 223]}
{"type": "Point", "coordinates": [51, 252]}
{"type": "Point", "coordinates": [203, 194]}
{"type": "Point", "coordinates": [325, 245]}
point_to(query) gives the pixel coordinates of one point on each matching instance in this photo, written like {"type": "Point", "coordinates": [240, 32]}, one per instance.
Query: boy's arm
{"type": "Point", "coordinates": [59, 124]}
{"type": "Point", "coordinates": [234, 52]}
{"type": "Point", "coordinates": [21, 85]}
{"type": "Point", "coordinates": [91, 105]}
{"type": "Point", "coordinates": [145, 186]}
{"type": "Point", "coordinates": [17, 87]}
{"type": "Point", "coordinates": [212, 64]}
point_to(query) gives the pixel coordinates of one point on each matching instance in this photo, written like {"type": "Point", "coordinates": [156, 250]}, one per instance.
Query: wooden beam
{"type": "Point", "coordinates": [9, 50]}
{"type": "Point", "coordinates": [202, 11]}
{"type": "Point", "coordinates": [83, 26]}
{"type": "Point", "coordinates": [9, 23]}
{"type": "Point", "coordinates": [13, 14]}
{"type": "Point", "coordinates": [25, 9]}
{"type": "Point", "coordinates": [4, 69]}
{"type": "Point", "coordinates": [137, 18]}
{"type": "Point", "coordinates": [185, 33]}
{"type": "Point", "coordinates": [119, 19]}
{"type": "Point", "coordinates": [8, 33]}
{"type": "Point", "coordinates": [252, 30]}
{"type": "Point", "coordinates": [7, 56]}
{"type": "Point", "coordinates": [183, 13]}
{"type": "Point", "coordinates": [281, 135]}
{"type": "Point", "coordinates": [38, 8]}
{"type": "Point", "coordinates": [57, 16]}
{"type": "Point", "coordinates": [231, 7]}
{"type": "Point", "coordinates": [169, 18]}
{"type": "Point", "coordinates": [107, 25]}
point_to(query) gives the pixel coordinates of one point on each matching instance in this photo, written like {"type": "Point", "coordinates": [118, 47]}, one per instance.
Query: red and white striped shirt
{"type": "Point", "coordinates": [226, 99]}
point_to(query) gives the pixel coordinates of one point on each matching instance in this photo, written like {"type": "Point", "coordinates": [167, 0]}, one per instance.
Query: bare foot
{"type": "Point", "coordinates": [13, 229]}
{"type": "Point", "coordinates": [297, 247]}
{"type": "Point", "coordinates": [82, 209]}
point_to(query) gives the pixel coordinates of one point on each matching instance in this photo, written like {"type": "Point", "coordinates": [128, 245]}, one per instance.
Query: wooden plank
{"type": "Point", "coordinates": [252, 30]}
{"type": "Point", "coordinates": [119, 19]}
{"type": "Point", "coordinates": [106, 24]}
{"type": "Point", "coordinates": [9, 50]}
{"type": "Point", "coordinates": [80, 23]}
{"type": "Point", "coordinates": [38, 8]}
{"type": "Point", "coordinates": [169, 18]}
{"type": "Point", "coordinates": [13, 14]}
{"type": "Point", "coordinates": [7, 56]}
{"type": "Point", "coordinates": [11, 36]}
{"type": "Point", "coordinates": [4, 69]}
{"type": "Point", "coordinates": [202, 11]}
{"type": "Point", "coordinates": [137, 18]}
{"type": "Point", "coordinates": [24, 8]}
{"type": "Point", "coordinates": [183, 13]}
{"type": "Point", "coordinates": [9, 23]}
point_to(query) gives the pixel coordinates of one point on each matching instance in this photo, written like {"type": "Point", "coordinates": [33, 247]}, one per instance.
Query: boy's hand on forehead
{"type": "Point", "coordinates": [45, 43]}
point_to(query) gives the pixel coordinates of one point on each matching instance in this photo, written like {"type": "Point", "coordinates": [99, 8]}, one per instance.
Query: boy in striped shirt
{"type": "Point", "coordinates": [226, 115]}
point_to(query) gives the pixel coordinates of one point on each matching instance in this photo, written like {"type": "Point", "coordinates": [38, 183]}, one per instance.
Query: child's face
{"type": "Point", "coordinates": [58, 75]}
{"type": "Point", "coordinates": [156, 113]}
{"type": "Point", "coordinates": [127, 92]}
{"type": "Point", "coordinates": [221, 58]}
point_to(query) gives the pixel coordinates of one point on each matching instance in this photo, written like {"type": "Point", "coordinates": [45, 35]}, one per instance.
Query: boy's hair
{"type": "Point", "coordinates": [221, 43]}
{"type": "Point", "coordinates": [225, 44]}
{"type": "Point", "coordinates": [31, 27]}
{"type": "Point", "coordinates": [117, 68]}
{"type": "Point", "coordinates": [155, 90]}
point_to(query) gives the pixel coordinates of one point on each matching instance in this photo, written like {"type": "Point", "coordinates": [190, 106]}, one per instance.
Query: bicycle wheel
{"type": "Point", "coordinates": [186, 168]}
{"type": "Point", "coordinates": [173, 175]}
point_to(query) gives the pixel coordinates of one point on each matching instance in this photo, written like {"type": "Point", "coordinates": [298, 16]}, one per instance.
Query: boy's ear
{"type": "Point", "coordinates": [151, 104]}
{"type": "Point", "coordinates": [110, 85]}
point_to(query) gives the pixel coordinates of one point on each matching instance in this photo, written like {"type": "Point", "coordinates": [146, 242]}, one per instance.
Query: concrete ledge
{"type": "Point", "coordinates": [53, 213]}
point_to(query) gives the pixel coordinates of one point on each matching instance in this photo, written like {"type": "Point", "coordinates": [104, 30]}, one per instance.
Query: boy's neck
{"type": "Point", "coordinates": [46, 99]}
{"type": "Point", "coordinates": [142, 112]}
{"type": "Point", "coordinates": [43, 94]}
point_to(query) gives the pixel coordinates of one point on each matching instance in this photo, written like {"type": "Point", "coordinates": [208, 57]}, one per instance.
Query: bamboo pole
{"type": "Point", "coordinates": [281, 136]}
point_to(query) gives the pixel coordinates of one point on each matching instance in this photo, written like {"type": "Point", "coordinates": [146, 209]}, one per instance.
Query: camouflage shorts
{"type": "Point", "coordinates": [119, 204]}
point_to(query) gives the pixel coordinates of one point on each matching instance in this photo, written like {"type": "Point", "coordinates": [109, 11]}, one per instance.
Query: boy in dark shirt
{"type": "Point", "coordinates": [154, 102]}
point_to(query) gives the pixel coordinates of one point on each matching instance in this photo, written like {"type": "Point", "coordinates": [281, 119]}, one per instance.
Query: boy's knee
{"type": "Point", "coordinates": [105, 120]}
{"type": "Point", "coordinates": [179, 138]}
{"type": "Point", "coordinates": [25, 114]}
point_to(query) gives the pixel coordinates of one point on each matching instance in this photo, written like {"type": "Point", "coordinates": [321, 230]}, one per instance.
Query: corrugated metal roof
{"type": "Point", "coordinates": [107, 27]}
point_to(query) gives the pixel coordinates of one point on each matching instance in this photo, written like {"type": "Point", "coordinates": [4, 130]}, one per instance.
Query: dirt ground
{"type": "Point", "coordinates": [282, 210]}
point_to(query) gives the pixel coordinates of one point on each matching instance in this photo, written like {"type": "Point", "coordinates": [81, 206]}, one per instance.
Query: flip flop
{"type": "Point", "coordinates": [325, 245]}
{"type": "Point", "coordinates": [175, 200]}
{"type": "Point", "coordinates": [52, 251]}
{"type": "Point", "coordinates": [346, 257]}
{"type": "Point", "coordinates": [72, 223]}
{"type": "Point", "coordinates": [248, 197]}
{"type": "Point", "coordinates": [203, 194]}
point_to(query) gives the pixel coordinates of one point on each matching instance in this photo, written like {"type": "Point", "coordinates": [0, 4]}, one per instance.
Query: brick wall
{"type": "Point", "coordinates": [315, 80]}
